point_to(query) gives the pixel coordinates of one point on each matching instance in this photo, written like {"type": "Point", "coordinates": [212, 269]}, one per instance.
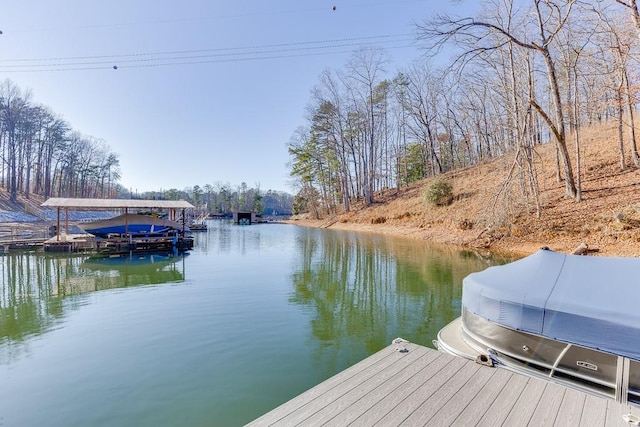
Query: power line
{"type": "Point", "coordinates": [269, 46]}
{"type": "Point", "coordinates": [194, 62]}
{"type": "Point", "coordinates": [202, 56]}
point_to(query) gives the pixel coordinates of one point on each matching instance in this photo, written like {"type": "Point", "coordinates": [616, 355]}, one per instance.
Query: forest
{"type": "Point", "coordinates": [223, 199]}
{"type": "Point", "coordinates": [43, 156]}
{"type": "Point", "coordinates": [517, 75]}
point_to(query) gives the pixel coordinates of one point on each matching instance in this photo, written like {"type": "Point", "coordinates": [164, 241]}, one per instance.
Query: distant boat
{"type": "Point", "coordinates": [134, 224]}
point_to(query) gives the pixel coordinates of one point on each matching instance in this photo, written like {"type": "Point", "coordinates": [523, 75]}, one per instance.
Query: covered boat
{"type": "Point", "coordinates": [133, 224]}
{"type": "Point", "coordinates": [568, 318]}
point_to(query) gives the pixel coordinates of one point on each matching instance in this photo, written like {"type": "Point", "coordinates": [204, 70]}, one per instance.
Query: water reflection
{"type": "Point", "coordinates": [223, 236]}
{"type": "Point", "coordinates": [34, 287]}
{"type": "Point", "coordinates": [134, 270]}
{"type": "Point", "coordinates": [269, 311]}
{"type": "Point", "coordinates": [361, 288]}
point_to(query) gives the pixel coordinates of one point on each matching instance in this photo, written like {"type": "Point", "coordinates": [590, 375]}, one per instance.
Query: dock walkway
{"type": "Point", "coordinates": [406, 384]}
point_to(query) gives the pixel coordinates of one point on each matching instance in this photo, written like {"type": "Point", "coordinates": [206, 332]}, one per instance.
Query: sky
{"type": "Point", "coordinates": [196, 92]}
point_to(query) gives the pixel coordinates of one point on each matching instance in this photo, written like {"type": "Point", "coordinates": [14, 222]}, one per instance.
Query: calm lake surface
{"type": "Point", "coordinates": [252, 317]}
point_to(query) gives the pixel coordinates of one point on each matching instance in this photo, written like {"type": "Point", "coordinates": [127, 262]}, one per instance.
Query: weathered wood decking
{"type": "Point", "coordinates": [423, 387]}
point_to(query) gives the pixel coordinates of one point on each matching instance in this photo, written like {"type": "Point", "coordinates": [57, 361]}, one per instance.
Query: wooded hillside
{"type": "Point", "coordinates": [607, 219]}
{"type": "Point", "coordinates": [41, 154]}
{"type": "Point", "coordinates": [524, 77]}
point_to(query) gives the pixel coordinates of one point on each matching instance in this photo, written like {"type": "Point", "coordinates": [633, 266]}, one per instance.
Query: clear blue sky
{"type": "Point", "coordinates": [185, 105]}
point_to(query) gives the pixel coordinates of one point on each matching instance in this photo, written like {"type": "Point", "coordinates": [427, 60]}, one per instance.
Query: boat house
{"type": "Point", "coordinates": [63, 241]}
{"type": "Point", "coordinates": [244, 218]}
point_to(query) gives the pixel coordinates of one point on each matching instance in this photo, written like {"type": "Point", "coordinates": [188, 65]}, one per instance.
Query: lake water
{"type": "Point", "coordinates": [250, 318]}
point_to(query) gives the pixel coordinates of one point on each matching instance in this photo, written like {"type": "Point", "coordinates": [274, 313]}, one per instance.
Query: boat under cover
{"type": "Point", "coordinates": [588, 301]}
{"type": "Point", "coordinates": [135, 224]}
{"type": "Point", "coordinates": [566, 318]}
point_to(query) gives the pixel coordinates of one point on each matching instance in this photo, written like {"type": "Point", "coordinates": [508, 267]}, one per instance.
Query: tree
{"type": "Point", "coordinates": [40, 154]}
{"type": "Point", "coordinates": [13, 110]}
{"type": "Point", "coordinates": [482, 36]}
{"type": "Point", "coordinates": [413, 164]}
{"type": "Point", "coordinates": [632, 8]}
{"type": "Point", "coordinates": [329, 123]}
{"type": "Point", "coordinates": [197, 195]}
{"type": "Point", "coordinates": [619, 40]}
{"type": "Point", "coordinates": [365, 68]}
{"type": "Point", "coordinates": [258, 202]}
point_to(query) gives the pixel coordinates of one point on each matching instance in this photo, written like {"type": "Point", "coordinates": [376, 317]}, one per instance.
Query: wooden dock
{"type": "Point", "coordinates": [409, 385]}
{"type": "Point", "coordinates": [20, 244]}
{"type": "Point", "coordinates": [88, 243]}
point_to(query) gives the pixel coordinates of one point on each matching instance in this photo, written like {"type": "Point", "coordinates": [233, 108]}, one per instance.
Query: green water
{"type": "Point", "coordinates": [252, 317]}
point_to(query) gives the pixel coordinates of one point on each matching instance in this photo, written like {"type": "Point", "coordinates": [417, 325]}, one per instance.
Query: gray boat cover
{"type": "Point", "coordinates": [589, 301]}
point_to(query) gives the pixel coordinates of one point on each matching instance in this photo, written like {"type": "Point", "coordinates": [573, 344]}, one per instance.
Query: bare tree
{"type": "Point", "coordinates": [365, 69]}
{"type": "Point", "coordinates": [632, 8]}
{"type": "Point", "coordinates": [480, 37]}
{"type": "Point", "coordinates": [40, 154]}
{"type": "Point", "coordinates": [619, 41]}
{"type": "Point", "coordinates": [330, 96]}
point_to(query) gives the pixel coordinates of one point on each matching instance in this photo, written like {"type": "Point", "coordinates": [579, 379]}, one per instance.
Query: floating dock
{"type": "Point", "coordinates": [20, 244]}
{"type": "Point", "coordinates": [406, 384]}
{"type": "Point", "coordinates": [70, 243]}
{"type": "Point", "coordinates": [75, 243]}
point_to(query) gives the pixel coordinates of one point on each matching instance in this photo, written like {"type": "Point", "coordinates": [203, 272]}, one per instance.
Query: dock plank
{"type": "Point", "coordinates": [549, 405]}
{"type": "Point", "coordinates": [426, 387]}
{"type": "Point", "coordinates": [595, 410]}
{"type": "Point", "coordinates": [332, 408]}
{"type": "Point", "coordinates": [526, 403]}
{"type": "Point", "coordinates": [501, 406]}
{"type": "Point", "coordinates": [277, 416]}
{"type": "Point", "coordinates": [468, 408]}
{"type": "Point", "coordinates": [393, 397]}
{"type": "Point", "coordinates": [391, 385]}
{"type": "Point", "coordinates": [571, 408]}
{"type": "Point", "coordinates": [458, 384]}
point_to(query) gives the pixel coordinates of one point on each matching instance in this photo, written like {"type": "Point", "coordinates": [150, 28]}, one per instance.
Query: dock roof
{"type": "Point", "coordinates": [62, 202]}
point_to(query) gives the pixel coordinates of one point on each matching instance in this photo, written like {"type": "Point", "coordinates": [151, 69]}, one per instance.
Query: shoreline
{"type": "Point", "coordinates": [470, 240]}
{"type": "Point", "coordinates": [516, 245]}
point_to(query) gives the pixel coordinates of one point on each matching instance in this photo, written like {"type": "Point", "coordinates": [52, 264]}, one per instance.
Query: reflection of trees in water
{"type": "Point", "coordinates": [365, 290]}
{"type": "Point", "coordinates": [37, 290]}
{"type": "Point", "coordinates": [28, 298]}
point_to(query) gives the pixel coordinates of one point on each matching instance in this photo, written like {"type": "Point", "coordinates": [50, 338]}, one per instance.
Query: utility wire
{"type": "Point", "coordinates": [269, 46]}
{"type": "Point", "coordinates": [193, 62]}
{"type": "Point", "coordinates": [201, 56]}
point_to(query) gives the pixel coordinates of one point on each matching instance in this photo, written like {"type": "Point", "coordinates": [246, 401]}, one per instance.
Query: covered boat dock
{"type": "Point", "coordinates": [65, 242]}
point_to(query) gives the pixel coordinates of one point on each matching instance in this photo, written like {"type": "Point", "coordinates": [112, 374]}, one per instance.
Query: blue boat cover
{"type": "Point", "coordinates": [589, 301]}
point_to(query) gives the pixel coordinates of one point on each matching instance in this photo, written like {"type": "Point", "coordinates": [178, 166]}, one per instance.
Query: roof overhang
{"type": "Point", "coordinates": [61, 202]}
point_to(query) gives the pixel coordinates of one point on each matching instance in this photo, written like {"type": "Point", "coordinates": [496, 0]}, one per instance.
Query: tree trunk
{"type": "Point", "coordinates": [635, 158]}
{"type": "Point", "coordinates": [558, 128]}
{"type": "Point", "coordinates": [620, 108]}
